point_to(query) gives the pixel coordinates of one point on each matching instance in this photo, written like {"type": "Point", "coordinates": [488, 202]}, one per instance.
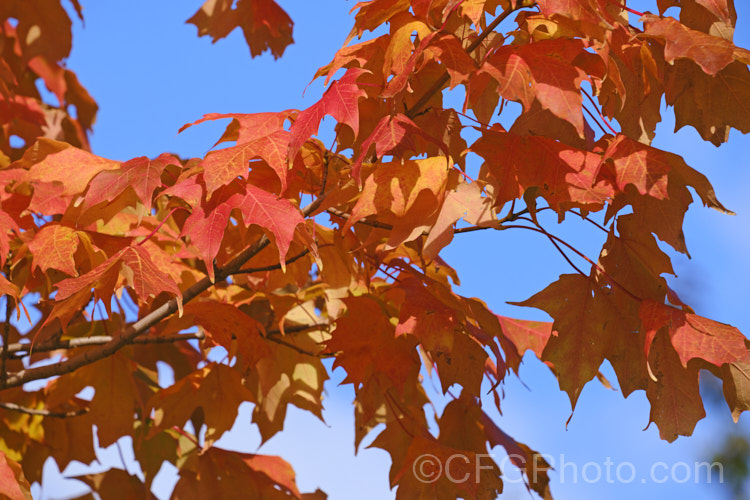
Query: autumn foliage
{"type": "Point", "coordinates": [285, 251]}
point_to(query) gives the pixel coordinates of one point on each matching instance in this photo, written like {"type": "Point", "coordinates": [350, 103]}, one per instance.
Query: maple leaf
{"type": "Point", "coordinates": [113, 483]}
{"type": "Point", "coordinates": [291, 375]}
{"type": "Point", "coordinates": [224, 473]}
{"type": "Point", "coordinates": [673, 391]}
{"type": "Point", "coordinates": [13, 484]}
{"type": "Point", "coordinates": [141, 174]}
{"type": "Point", "coordinates": [541, 122]}
{"type": "Point", "coordinates": [400, 45]}
{"type": "Point", "coordinates": [54, 161]}
{"type": "Point", "coordinates": [715, 17]}
{"type": "Point", "coordinates": [632, 89]}
{"type": "Point", "coordinates": [134, 263]}
{"type": "Point", "coordinates": [672, 207]}
{"type": "Point", "coordinates": [736, 386]}
{"type": "Point", "coordinates": [711, 53]}
{"type": "Point", "coordinates": [693, 336]}
{"type": "Point", "coordinates": [245, 127]}
{"type": "Point", "coordinates": [566, 177]}
{"type": "Point", "coordinates": [54, 247]}
{"type": "Point", "coordinates": [206, 224]}
{"type": "Point", "coordinates": [550, 71]}
{"type": "Point", "coordinates": [115, 395]}
{"type": "Point", "coordinates": [401, 189]}
{"type": "Point", "coordinates": [70, 439]}
{"type": "Point", "coordinates": [9, 224]}
{"type": "Point", "coordinates": [526, 335]}
{"type": "Point", "coordinates": [391, 135]}
{"type": "Point", "coordinates": [394, 357]}
{"type": "Point", "coordinates": [411, 485]}
{"type": "Point", "coordinates": [466, 202]}
{"type": "Point", "coordinates": [582, 331]}
{"type": "Point", "coordinates": [374, 13]}
{"type": "Point", "coordinates": [57, 163]}
{"type": "Point", "coordinates": [427, 318]}
{"type": "Point", "coordinates": [206, 231]}
{"type": "Point", "coordinates": [634, 259]}
{"type": "Point", "coordinates": [44, 29]}
{"type": "Point", "coordinates": [216, 388]}
{"type": "Point", "coordinates": [8, 288]}
{"type": "Point", "coordinates": [463, 365]}
{"type": "Point", "coordinates": [363, 54]}
{"type": "Point", "coordinates": [377, 297]}
{"type": "Point", "coordinates": [221, 166]}
{"type": "Point", "coordinates": [642, 166]}
{"type": "Point", "coordinates": [592, 11]}
{"type": "Point", "coordinates": [266, 26]}
{"type": "Point", "coordinates": [339, 101]}
{"type": "Point", "coordinates": [278, 216]}
{"type": "Point", "coordinates": [523, 457]}
{"type": "Point", "coordinates": [223, 321]}
{"type": "Point", "coordinates": [445, 48]}
{"type": "Point", "coordinates": [710, 104]}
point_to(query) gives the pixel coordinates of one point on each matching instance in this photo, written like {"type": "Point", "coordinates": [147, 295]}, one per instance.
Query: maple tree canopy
{"type": "Point", "coordinates": [284, 251]}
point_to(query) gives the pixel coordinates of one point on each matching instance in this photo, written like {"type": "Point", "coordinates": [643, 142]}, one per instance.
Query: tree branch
{"type": "Point", "coordinates": [142, 325]}
{"type": "Point", "coordinates": [6, 337]}
{"type": "Point", "coordinates": [137, 328]}
{"type": "Point", "coordinates": [44, 413]}
{"type": "Point", "coordinates": [382, 225]}
{"type": "Point", "coordinates": [21, 350]}
{"type": "Point", "coordinates": [271, 267]}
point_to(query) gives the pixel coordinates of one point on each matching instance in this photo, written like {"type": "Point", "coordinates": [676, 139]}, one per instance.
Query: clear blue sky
{"type": "Point", "coordinates": [151, 74]}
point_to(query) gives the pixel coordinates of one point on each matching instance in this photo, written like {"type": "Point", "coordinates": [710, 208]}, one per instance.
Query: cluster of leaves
{"type": "Point", "coordinates": [35, 38]}
{"type": "Point", "coordinates": [227, 243]}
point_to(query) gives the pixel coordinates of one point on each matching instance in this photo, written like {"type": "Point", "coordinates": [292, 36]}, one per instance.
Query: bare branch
{"type": "Point", "coordinates": [272, 267]}
{"type": "Point", "coordinates": [144, 324]}
{"type": "Point", "coordinates": [21, 350]}
{"type": "Point", "coordinates": [6, 337]}
{"type": "Point", "coordinates": [137, 328]}
{"type": "Point", "coordinates": [373, 223]}
{"type": "Point", "coordinates": [44, 413]}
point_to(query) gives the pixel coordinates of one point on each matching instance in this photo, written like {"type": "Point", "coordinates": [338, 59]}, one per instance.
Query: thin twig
{"type": "Point", "coordinates": [601, 115]}
{"type": "Point", "coordinates": [6, 339]}
{"type": "Point", "coordinates": [382, 225]}
{"type": "Point", "coordinates": [44, 413]}
{"type": "Point", "coordinates": [374, 223]}
{"type": "Point", "coordinates": [594, 118]}
{"type": "Point", "coordinates": [589, 219]}
{"type": "Point", "coordinates": [557, 247]}
{"type": "Point", "coordinates": [300, 350]}
{"type": "Point", "coordinates": [312, 207]}
{"type": "Point", "coordinates": [271, 267]}
{"type": "Point", "coordinates": [580, 254]}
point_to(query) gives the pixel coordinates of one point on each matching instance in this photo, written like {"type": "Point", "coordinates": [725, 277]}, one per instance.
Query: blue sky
{"type": "Point", "coordinates": [150, 74]}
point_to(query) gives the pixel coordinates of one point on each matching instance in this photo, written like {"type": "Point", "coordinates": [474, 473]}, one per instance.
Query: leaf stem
{"type": "Point", "coordinates": [158, 226]}
{"type": "Point", "coordinates": [601, 115]}
{"type": "Point", "coordinates": [625, 7]}
{"type": "Point", "coordinates": [6, 339]}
